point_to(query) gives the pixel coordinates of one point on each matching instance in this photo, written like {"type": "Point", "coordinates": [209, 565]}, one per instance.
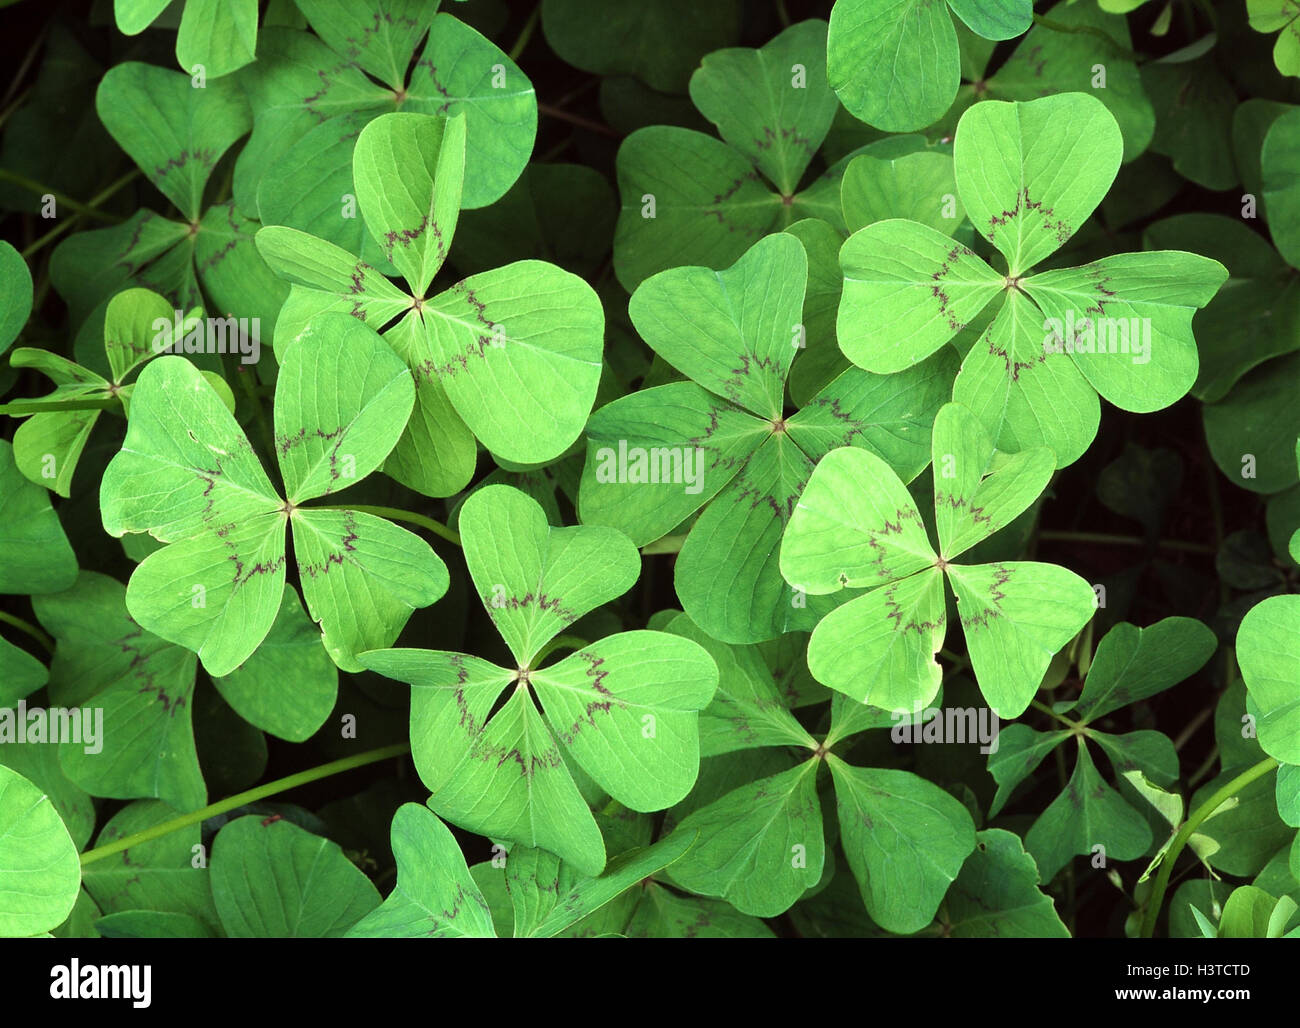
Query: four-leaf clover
{"type": "Point", "coordinates": [188, 476]}
{"type": "Point", "coordinates": [624, 709]}
{"type": "Point", "coordinates": [855, 526]}
{"type": "Point", "coordinates": [1028, 175]}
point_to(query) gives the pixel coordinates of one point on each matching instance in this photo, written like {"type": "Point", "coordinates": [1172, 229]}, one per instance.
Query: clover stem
{"type": "Point", "coordinates": [67, 223]}
{"type": "Point", "coordinates": [394, 514]}
{"type": "Point", "coordinates": [1124, 540]}
{"type": "Point", "coordinates": [1074, 726]}
{"type": "Point", "coordinates": [20, 408]}
{"type": "Point", "coordinates": [526, 33]}
{"type": "Point", "coordinates": [1189, 827]}
{"type": "Point", "coordinates": [42, 190]}
{"type": "Point", "coordinates": [240, 799]}
{"type": "Point", "coordinates": [30, 629]}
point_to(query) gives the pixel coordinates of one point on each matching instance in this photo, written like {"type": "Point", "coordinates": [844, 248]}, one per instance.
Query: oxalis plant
{"type": "Point", "coordinates": [650, 470]}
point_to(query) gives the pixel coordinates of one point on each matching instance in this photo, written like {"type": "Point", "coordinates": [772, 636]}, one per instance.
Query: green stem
{"type": "Point", "coordinates": [248, 796]}
{"type": "Point", "coordinates": [67, 223]}
{"type": "Point", "coordinates": [21, 408]}
{"type": "Point", "coordinates": [67, 201]}
{"type": "Point", "coordinates": [526, 33]}
{"type": "Point", "coordinates": [1124, 540]}
{"type": "Point", "coordinates": [394, 514]}
{"type": "Point", "coordinates": [1091, 30]}
{"type": "Point", "coordinates": [782, 14]}
{"type": "Point", "coordinates": [30, 629]}
{"type": "Point", "coordinates": [1075, 726]}
{"type": "Point", "coordinates": [576, 119]}
{"type": "Point", "coordinates": [1194, 822]}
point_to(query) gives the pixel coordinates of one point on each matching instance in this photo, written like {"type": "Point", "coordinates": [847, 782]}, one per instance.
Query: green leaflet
{"type": "Point", "coordinates": [342, 399]}
{"type": "Point", "coordinates": [162, 875]}
{"type": "Point", "coordinates": [855, 526]}
{"type": "Point", "coordinates": [21, 673]}
{"type": "Point", "coordinates": [997, 895]}
{"type": "Point", "coordinates": [1122, 671]}
{"type": "Point", "coordinates": [1250, 431]}
{"type": "Point", "coordinates": [219, 36]}
{"type": "Point", "coordinates": [1120, 326]}
{"type": "Point", "coordinates": [39, 872]}
{"type": "Point", "coordinates": [435, 895]}
{"type": "Point", "coordinates": [905, 838]}
{"type": "Point", "coordinates": [176, 133]}
{"type": "Point", "coordinates": [411, 218]}
{"type": "Point", "coordinates": [15, 294]}
{"type": "Point", "coordinates": [875, 46]}
{"type": "Point", "coordinates": [35, 556]}
{"type": "Point", "coordinates": [916, 186]}
{"type": "Point", "coordinates": [1280, 171]}
{"type": "Point", "coordinates": [655, 457]}
{"type": "Point", "coordinates": [272, 879]}
{"type": "Point", "coordinates": [761, 846]}
{"type": "Point", "coordinates": [1270, 664]}
{"type": "Point", "coordinates": [688, 199]}
{"type": "Point", "coordinates": [624, 709]}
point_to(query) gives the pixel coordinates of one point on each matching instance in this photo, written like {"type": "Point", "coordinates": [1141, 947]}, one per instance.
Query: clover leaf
{"type": "Point", "coordinates": [189, 477]}
{"type": "Point", "coordinates": [511, 354]}
{"type": "Point", "coordinates": [1089, 812]}
{"type": "Point", "coordinates": [688, 198]}
{"type": "Point", "coordinates": [48, 445]}
{"type": "Point", "coordinates": [855, 526]}
{"type": "Point", "coordinates": [875, 49]}
{"type": "Point", "coordinates": [731, 332]}
{"type": "Point", "coordinates": [311, 95]}
{"type": "Point", "coordinates": [624, 709]}
{"type": "Point", "coordinates": [762, 844]}
{"type": "Point", "coordinates": [176, 134]}
{"type": "Point", "coordinates": [1120, 326]}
